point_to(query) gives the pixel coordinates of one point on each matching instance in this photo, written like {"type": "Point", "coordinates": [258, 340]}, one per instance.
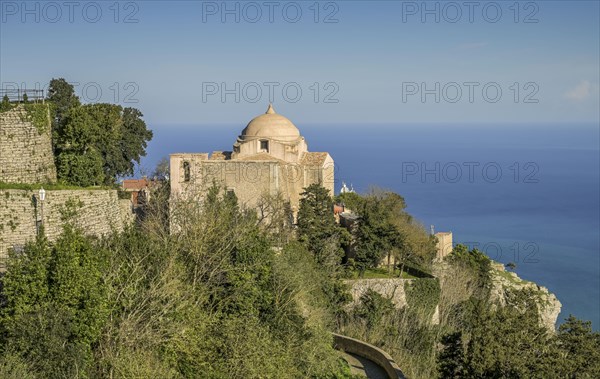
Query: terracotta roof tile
{"type": "Point", "coordinates": [220, 155]}
{"type": "Point", "coordinates": [261, 157]}
{"type": "Point", "coordinates": [135, 184]}
{"type": "Point", "coordinates": [313, 158]}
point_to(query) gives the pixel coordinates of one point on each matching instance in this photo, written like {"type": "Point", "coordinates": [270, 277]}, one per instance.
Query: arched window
{"type": "Point", "coordinates": [186, 171]}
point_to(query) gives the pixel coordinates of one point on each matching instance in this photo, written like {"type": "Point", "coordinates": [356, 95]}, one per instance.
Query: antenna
{"type": "Point", "coordinates": [432, 230]}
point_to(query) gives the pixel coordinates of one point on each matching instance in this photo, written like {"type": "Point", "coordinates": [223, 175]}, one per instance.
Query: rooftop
{"type": "Point", "coordinates": [271, 125]}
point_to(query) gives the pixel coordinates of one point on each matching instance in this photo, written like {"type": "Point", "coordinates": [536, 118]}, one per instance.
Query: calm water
{"type": "Point", "coordinates": [527, 194]}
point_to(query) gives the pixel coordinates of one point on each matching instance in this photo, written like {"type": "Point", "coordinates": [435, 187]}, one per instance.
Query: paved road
{"type": "Point", "coordinates": [365, 367]}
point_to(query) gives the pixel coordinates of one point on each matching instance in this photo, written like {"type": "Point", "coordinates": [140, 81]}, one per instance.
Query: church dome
{"type": "Point", "coordinates": [271, 125]}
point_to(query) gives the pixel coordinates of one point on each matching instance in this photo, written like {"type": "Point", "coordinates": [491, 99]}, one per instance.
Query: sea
{"type": "Point", "coordinates": [522, 193]}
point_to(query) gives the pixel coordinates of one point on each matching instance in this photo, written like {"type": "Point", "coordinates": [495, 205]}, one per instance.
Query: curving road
{"type": "Point", "coordinates": [365, 367]}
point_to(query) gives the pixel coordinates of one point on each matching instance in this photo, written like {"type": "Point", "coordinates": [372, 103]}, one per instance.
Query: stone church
{"type": "Point", "coordinates": [270, 156]}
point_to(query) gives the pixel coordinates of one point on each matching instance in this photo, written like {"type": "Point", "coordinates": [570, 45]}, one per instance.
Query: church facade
{"type": "Point", "coordinates": [269, 157]}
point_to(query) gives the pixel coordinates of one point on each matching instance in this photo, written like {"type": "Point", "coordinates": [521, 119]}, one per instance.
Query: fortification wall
{"type": "Point", "coordinates": [392, 289]}
{"type": "Point", "coordinates": [25, 150]}
{"type": "Point", "coordinates": [98, 212]}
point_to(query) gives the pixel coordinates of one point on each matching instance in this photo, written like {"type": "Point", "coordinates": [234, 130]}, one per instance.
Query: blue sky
{"type": "Point", "coordinates": [371, 63]}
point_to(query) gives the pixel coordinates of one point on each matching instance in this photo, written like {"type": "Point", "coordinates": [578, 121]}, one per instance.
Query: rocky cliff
{"type": "Point", "coordinates": [503, 282]}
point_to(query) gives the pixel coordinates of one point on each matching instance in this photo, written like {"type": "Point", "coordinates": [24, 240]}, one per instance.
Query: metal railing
{"type": "Point", "coordinates": [21, 95]}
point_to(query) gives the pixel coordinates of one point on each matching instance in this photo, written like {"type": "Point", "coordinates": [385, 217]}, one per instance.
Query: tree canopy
{"type": "Point", "coordinates": [385, 229]}
{"type": "Point", "coordinates": [94, 144]}
{"type": "Point", "coordinates": [211, 299]}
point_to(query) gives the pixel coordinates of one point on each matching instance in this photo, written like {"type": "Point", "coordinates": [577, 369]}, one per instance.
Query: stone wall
{"type": "Point", "coordinates": [373, 353]}
{"type": "Point", "coordinates": [25, 152]}
{"type": "Point", "coordinates": [248, 179]}
{"type": "Point", "coordinates": [392, 288]}
{"type": "Point", "coordinates": [443, 245]}
{"type": "Point", "coordinates": [98, 212]}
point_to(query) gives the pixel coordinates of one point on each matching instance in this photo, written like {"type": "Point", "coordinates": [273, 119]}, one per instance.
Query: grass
{"type": "Point", "coordinates": [507, 275]}
{"type": "Point", "coordinates": [48, 186]}
{"type": "Point", "coordinates": [382, 273]}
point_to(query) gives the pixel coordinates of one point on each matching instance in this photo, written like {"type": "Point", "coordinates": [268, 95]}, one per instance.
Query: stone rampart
{"type": "Point", "coordinates": [25, 150]}
{"type": "Point", "coordinates": [392, 288]}
{"type": "Point", "coordinates": [97, 212]}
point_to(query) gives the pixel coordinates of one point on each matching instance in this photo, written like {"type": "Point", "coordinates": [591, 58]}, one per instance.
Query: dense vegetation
{"type": "Point", "coordinates": [387, 233]}
{"type": "Point", "coordinates": [214, 299]}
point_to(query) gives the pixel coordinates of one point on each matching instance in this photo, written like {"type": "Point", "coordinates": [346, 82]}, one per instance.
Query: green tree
{"type": "Point", "coordinates": [256, 299]}
{"type": "Point", "coordinates": [83, 169]}
{"type": "Point", "coordinates": [373, 308]}
{"type": "Point", "coordinates": [377, 234]}
{"type": "Point", "coordinates": [25, 282]}
{"type": "Point", "coordinates": [386, 231]}
{"type": "Point", "coordinates": [78, 159]}
{"type": "Point", "coordinates": [580, 348]}
{"type": "Point", "coordinates": [55, 304]}
{"type": "Point", "coordinates": [44, 338]}
{"type": "Point", "coordinates": [475, 262]}
{"type": "Point", "coordinates": [89, 136]}
{"type": "Point", "coordinates": [76, 283]}
{"type": "Point", "coordinates": [62, 95]}
{"type": "Point", "coordinates": [317, 228]}
{"type": "Point", "coordinates": [162, 169]}
{"type": "Point", "coordinates": [323, 237]}
{"type": "Point", "coordinates": [133, 142]}
{"type": "Point", "coordinates": [508, 341]}
{"type": "Point", "coordinates": [5, 105]}
{"type": "Point", "coordinates": [451, 358]}
{"type": "Point", "coordinates": [351, 200]}
{"type": "Point", "coordinates": [99, 135]}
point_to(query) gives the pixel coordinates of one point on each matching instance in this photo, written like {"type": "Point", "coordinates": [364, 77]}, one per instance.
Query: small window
{"type": "Point", "coordinates": [264, 145]}
{"type": "Point", "coordinates": [186, 171]}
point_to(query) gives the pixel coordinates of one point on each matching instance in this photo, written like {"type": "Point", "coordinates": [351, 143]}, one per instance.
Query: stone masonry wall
{"type": "Point", "coordinates": [98, 212]}
{"type": "Point", "coordinates": [249, 179]}
{"type": "Point", "coordinates": [373, 353]}
{"type": "Point", "coordinates": [392, 289]}
{"type": "Point", "coordinates": [25, 153]}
